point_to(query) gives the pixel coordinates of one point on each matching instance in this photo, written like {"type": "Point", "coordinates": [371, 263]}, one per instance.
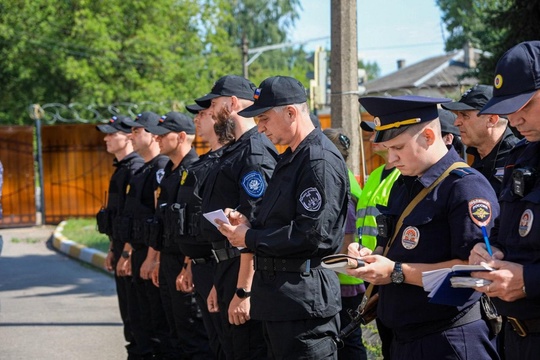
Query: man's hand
{"type": "Point", "coordinates": [507, 280]}
{"type": "Point", "coordinates": [211, 301]}
{"type": "Point", "coordinates": [155, 275]}
{"type": "Point", "coordinates": [147, 267]}
{"type": "Point", "coordinates": [109, 261]}
{"type": "Point", "coordinates": [184, 280]}
{"type": "Point", "coordinates": [479, 254]}
{"type": "Point", "coordinates": [123, 267]}
{"type": "Point", "coordinates": [239, 310]}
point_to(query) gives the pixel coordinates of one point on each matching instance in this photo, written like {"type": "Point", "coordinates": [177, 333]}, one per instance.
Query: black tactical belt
{"type": "Point", "coordinates": [524, 327]}
{"type": "Point", "coordinates": [199, 261]}
{"type": "Point", "coordinates": [285, 264]}
{"type": "Point", "coordinates": [225, 254]}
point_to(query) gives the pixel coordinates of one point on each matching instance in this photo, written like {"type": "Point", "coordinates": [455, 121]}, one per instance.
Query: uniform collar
{"type": "Point", "coordinates": [439, 168]}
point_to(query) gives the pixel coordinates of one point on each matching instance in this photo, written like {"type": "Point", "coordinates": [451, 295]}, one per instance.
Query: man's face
{"type": "Point", "coordinates": [116, 142]}
{"type": "Point", "coordinates": [274, 126]}
{"type": "Point", "coordinates": [204, 124]}
{"type": "Point", "coordinates": [527, 119]}
{"type": "Point", "coordinates": [406, 153]}
{"type": "Point", "coordinates": [473, 128]}
{"type": "Point", "coordinates": [167, 143]}
{"type": "Point", "coordinates": [377, 147]}
{"type": "Point", "coordinates": [141, 138]}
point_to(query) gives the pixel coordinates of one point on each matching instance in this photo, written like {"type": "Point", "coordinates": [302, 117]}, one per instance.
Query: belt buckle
{"type": "Point", "coordinates": [214, 254]}
{"type": "Point", "coordinates": [518, 326]}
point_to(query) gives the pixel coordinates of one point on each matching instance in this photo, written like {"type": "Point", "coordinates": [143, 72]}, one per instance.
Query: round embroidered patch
{"type": "Point", "coordinates": [480, 211]}
{"type": "Point", "coordinates": [526, 222]}
{"type": "Point", "coordinates": [410, 237]}
{"type": "Point", "coordinates": [253, 184]}
{"type": "Point", "coordinates": [311, 199]}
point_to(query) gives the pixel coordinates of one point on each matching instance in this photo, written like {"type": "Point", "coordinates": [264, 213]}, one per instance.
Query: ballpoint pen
{"type": "Point", "coordinates": [486, 240]}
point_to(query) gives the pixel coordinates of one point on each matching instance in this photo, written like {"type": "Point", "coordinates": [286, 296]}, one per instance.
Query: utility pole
{"type": "Point", "coordinates": [245, 56]}
{"type": "Point", "coordinates": [344, 74]}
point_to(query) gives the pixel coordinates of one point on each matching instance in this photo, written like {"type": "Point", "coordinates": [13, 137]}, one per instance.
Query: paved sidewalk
{"type": "Point", "coordinates": [52, 307]}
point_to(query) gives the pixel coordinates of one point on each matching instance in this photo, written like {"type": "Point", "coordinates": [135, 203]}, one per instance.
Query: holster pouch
{"type": "Point", "coordinates": [153, 232]}
{"type": "Point", "coordinates": [103, 219]}
{"type": "Point", "coordinates": [368, 313]}
{"type": "Point", "coordinates": [176, 219]}
{"type": "Point", "coordinates": [490, 315]}
{"type": "Point", "coordinates": [123, 228]}
{"type": "Point", "coordinates": [194, 221]}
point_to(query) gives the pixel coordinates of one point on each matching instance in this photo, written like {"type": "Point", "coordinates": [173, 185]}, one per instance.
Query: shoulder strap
{"type": "Point", "coordinates": [421, 195]}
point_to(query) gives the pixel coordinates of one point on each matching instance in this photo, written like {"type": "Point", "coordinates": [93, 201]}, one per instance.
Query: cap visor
{"type": "Point", "coordinates": [385, 135]}
{"type": "Point", "coordinates": [504, 105]}
{"type": "Point", "coordinates": [157, 130]}
{"type": "Point", "coordinates": [195, 108]}
{"type": "Point", "coordinates": [206, 100]}
{"type": "Point", "coordinates": [107, 129]}
{"type": "Point", "coordinates": [457, 106]}
{"type": "Point", "coordinates": [367, 126]}
{"type": "Point", "coordinates": [253, 110]}
{"type": "Point", "coordinates": [132, 123]}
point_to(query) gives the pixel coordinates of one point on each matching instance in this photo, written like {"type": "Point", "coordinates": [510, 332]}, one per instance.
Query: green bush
{"type": "Point", "coordinates": [84, 231]}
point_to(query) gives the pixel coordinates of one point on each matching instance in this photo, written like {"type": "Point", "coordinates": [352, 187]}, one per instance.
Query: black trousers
{"type": "Point", "coordinates": [184, 317]}
{"type": "Point", "coordinates": [203, 279]}
{"type": "Point", "coordinates": [353, 348]}
{"type": "Point", "coordinates": [240, 341]}
{"type": "Point", "coordinates": [149, 324]}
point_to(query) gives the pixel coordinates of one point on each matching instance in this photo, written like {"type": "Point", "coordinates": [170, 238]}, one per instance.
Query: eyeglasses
{"type": "Point", "coordinates": [345, 141]}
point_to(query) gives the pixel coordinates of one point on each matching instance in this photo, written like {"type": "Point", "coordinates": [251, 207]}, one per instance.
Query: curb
{"type": "Point", "coordinates": [80, 252]}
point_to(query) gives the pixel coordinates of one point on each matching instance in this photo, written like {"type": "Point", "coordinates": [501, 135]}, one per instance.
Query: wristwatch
{"type": "Point", "coordinates": [242, 293]}
{"type": "Point", "coordinates": [125, 254]}
{"type": "Point", "coordinates": [397, 276]}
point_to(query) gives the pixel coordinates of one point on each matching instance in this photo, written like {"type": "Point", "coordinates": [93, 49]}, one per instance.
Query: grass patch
{"type": "Point", "coordinates": [84, 231]}
{"type": "Point", "coordinates": [25, 240]}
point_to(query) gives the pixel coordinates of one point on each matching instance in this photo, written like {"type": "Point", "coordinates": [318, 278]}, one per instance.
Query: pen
{"type": "Point", "coordinates": [486, 240]}
{"type": "Point", "coordinates": [233, 210]}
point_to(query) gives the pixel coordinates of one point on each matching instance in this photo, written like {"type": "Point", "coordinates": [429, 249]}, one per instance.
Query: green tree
{"type": "Point", "coordinates": [373, 70]}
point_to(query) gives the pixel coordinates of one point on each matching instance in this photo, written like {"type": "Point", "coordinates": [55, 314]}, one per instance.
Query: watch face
{"type": "Point", "coordinates": [397, 277]}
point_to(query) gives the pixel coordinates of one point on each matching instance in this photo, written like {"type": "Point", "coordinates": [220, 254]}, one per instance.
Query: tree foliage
{"type": "Point", "coordinates": [493, 26]}
{"type": "Point", "coordinates": [106, 52]}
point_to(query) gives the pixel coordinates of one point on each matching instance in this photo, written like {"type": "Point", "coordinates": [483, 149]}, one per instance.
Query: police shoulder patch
{"type": "Point", "coordinates": [253, 184]}
{"type": "Point", "coordinates": [159, 175]}
{"type": "Point", "coordinates": [480, 211]}
{"type": "Point", "coordinates": [311, 199]}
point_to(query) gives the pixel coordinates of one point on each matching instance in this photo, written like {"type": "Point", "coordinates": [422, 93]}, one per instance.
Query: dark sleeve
{"type": "Point", "coordinates": [320, 203]}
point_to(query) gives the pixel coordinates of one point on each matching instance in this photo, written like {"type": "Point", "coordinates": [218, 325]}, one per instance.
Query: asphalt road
{"type": "Point", "coordinates": [53, 307]}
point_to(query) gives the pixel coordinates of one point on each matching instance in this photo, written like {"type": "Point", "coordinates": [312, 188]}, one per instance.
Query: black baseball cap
{"type": "Point", "coordinates": [144, 119]}
{"type": "Point", "coordinates": [473, 99]}
{"type": "Point", "coordinates": [447, 118]}
{"type": "Point", "coordinates": [194, 108]}
{"type": "Point", "coordinates": [172, 122]}
{"type": "Point", "coordinates": [517, 79]}
{"type": "Point", "coordinates": [394, 114]}
{"type": "Point", "coordinates": [368, 126]}
{"type": "Point", "coordinates": [115, 124]}
{"type": "Point", "coordinates": [228, 85]}
{"type": "Point", "coordinates": [275, 91]}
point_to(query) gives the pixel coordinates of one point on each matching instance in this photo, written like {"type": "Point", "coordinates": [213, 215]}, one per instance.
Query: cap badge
{"type": "Point", "coordinates": [162, 119]}
{"type": "Point", "coordinates": [257, 93]}
{"type": "Point", "coordinates": [377, 121]}
{"type": "Point", "coordinates": [498, 82]}
{"type": "Point", "coordinates": [410, 237]}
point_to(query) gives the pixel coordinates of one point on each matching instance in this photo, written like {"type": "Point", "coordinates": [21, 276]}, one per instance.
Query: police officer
{"type": "Point", "coordinates": [148, 318]}
{"type": "Point", "coordinates": [175, 135]}
{"type": "Point", "coordinates": [516, 256]}
{"type": "Point", "coordinates": [238, 181]}
{"type": "Point", "coordinates": [126, 162]}
{"type": "Point", "coordinates": [198, 272]}
{"type": "Point", "coordinates": [434, 217]}
{"type": "Point", "coordinates": [487, 136]}
{"type": "Point", "coordinates": [450, 133]}
{"type": "Point", "coordinates": [301, 219]}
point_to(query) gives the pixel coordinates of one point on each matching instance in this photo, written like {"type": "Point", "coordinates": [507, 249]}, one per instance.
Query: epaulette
{"type": "Point", "coordinates": [461, 172]}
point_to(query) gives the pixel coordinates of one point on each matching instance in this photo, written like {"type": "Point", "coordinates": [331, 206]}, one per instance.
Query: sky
{"type": "Point", "coordinates": [388, 30]}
